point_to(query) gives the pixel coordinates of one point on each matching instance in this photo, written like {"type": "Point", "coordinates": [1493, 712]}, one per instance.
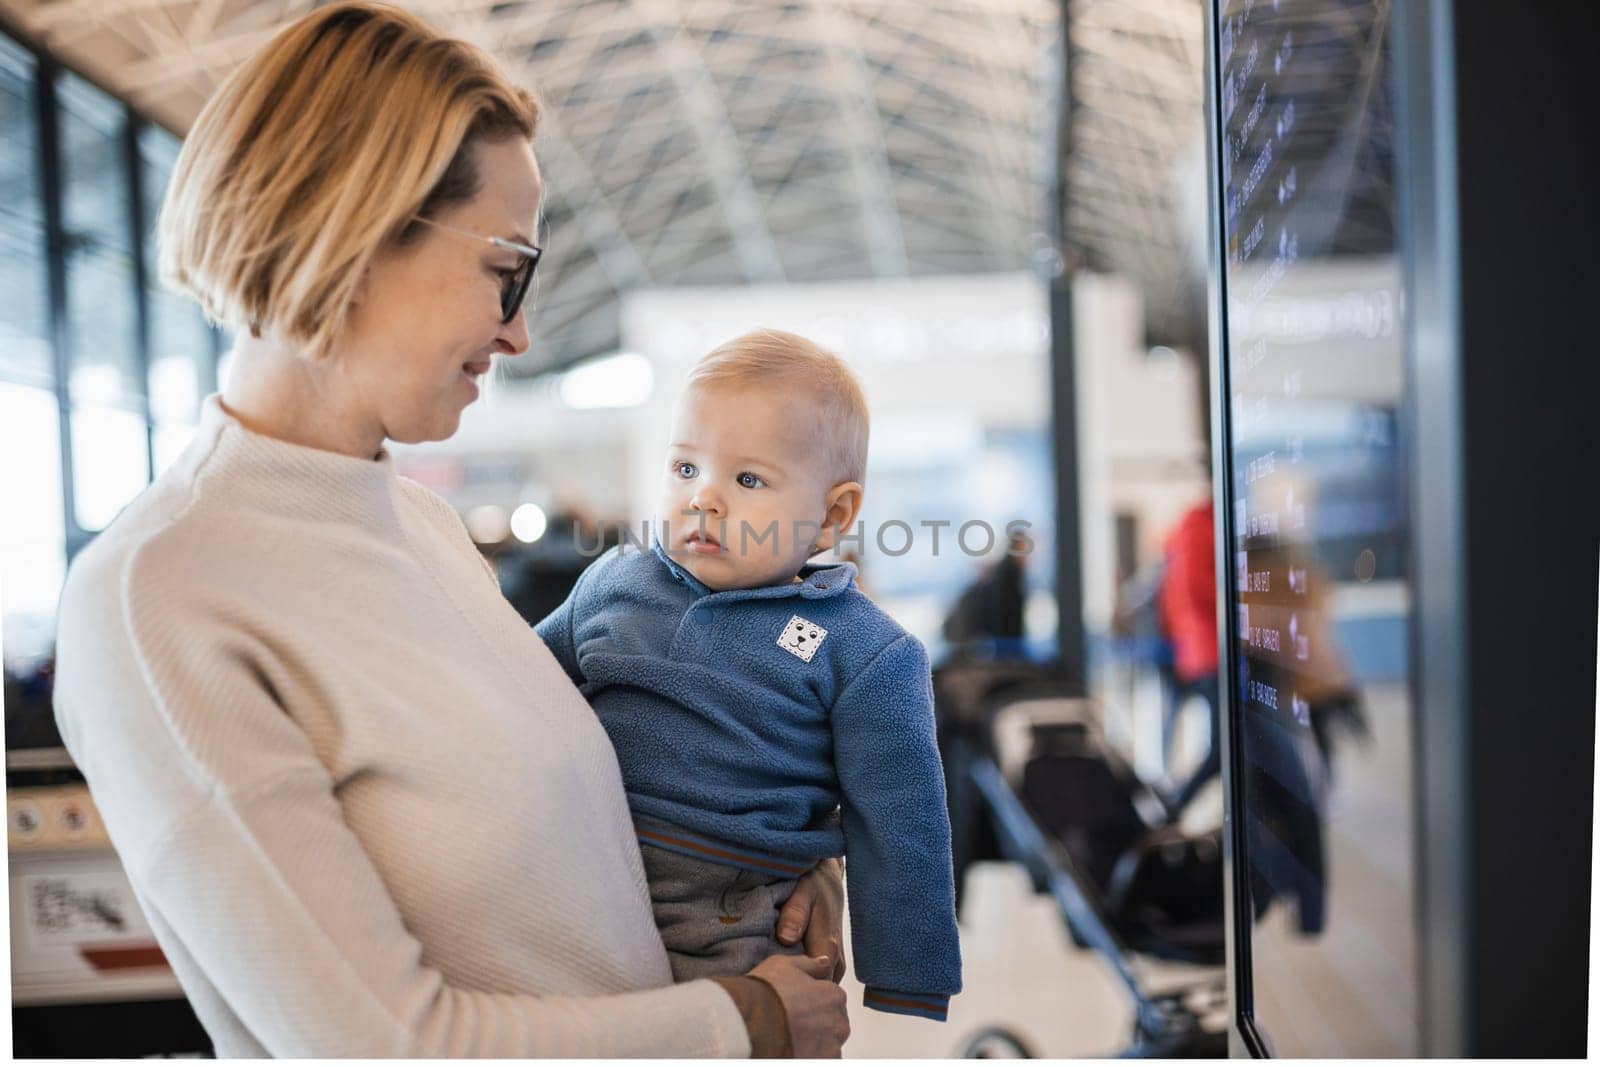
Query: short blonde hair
{"type": "Point", "coordinates": [780, 361]}
{"type": "Point", "coordinates": [318, 151]}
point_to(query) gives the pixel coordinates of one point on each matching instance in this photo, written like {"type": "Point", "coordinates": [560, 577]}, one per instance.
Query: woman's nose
{"type": "Point", "coordinates": [513, 336]}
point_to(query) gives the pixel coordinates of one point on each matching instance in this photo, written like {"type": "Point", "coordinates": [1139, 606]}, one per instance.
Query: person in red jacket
{"type": "Point", "coordinates": [1187, 608]}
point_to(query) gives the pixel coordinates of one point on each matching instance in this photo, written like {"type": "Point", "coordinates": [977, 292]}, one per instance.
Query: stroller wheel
{"type": "Point", "coordinates": [995, 1043]}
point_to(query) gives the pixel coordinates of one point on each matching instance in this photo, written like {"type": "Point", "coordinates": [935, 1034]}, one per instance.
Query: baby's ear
{"type": "Point", "coordinates": [843, 505]}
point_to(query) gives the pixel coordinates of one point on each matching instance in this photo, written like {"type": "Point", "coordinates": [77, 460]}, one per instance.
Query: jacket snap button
{"type": "Point", "coordinates": [702, 615]}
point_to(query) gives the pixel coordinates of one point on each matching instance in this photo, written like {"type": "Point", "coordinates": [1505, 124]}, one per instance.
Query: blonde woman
{"type": "Point", "coordinates": [364, 810]}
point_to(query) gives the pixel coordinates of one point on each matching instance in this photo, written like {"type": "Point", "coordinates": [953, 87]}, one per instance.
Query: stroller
{"type": "Point", "coordinates": [1032, 781]}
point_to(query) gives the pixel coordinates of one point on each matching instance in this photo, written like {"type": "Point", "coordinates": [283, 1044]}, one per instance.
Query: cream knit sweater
{"type": "Point", "coordinates": [364, 810]}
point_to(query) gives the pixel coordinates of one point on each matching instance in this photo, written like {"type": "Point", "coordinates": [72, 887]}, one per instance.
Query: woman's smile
{"type": "Point", "coordinates": [472, 370]}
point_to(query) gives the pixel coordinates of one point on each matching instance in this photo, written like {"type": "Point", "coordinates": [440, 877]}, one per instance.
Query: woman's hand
{"type": "Point", "coordinates": [813, 1006]}
{"type": "Point", "coordinates": [816, 908]}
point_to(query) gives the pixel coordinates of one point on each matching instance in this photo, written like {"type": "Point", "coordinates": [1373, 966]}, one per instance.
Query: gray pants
{"type": "Point", "coordinates": [716, 921]}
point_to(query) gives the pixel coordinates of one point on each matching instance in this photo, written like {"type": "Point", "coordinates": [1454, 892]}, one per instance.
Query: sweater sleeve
{"type": "Point", "coordinates": [232, 834]}
{"type": "Point", "coordinates": [898, 871]}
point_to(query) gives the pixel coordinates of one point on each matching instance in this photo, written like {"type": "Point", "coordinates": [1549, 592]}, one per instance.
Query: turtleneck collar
{"type": "Point", "coordinates": [253, 470]}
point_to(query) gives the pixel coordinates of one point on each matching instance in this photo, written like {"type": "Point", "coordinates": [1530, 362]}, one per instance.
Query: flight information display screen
{"type": "Point", "coordinates": [1319, 598]}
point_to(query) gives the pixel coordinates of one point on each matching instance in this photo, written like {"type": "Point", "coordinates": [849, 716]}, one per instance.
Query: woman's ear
{"type": "Point", "coordinates": [843, 505]}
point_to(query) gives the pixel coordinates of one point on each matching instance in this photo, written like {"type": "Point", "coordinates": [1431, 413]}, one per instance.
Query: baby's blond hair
{"type": "Point", "coordinates": [804, 370]}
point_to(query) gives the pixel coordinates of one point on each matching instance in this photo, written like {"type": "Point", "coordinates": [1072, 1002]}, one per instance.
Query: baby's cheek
{"type": "Point", "coordinates": [757, 538]}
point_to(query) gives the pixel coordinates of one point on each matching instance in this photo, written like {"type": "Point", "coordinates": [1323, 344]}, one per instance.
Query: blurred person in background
{"type": "Point", "coordinates": [1187, 609]}
{"type": "Point", "coordinates": [989, 614]}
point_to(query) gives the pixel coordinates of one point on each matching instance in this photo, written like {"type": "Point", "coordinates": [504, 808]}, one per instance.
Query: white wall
{"type": "Point", "coordinates": [1140, 445]}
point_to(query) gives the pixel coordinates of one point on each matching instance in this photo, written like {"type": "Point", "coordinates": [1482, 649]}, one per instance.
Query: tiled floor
{"type": "Point", "coordinates": [1020, 971]}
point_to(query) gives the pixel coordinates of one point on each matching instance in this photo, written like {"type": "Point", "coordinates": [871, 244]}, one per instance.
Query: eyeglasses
{"type": "Point", "coordinates": [513, 284]}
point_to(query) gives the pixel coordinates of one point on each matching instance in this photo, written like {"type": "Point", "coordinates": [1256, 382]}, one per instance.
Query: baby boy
{"type": "Point", "coordinates": [765, 713]}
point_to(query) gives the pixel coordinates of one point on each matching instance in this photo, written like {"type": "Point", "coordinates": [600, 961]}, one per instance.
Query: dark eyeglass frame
{"type": "Point", "coordinates": [514, 287]}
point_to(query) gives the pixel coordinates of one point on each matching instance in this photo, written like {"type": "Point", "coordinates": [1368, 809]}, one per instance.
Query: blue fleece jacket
{"type": "Point", "coordinates": [778, 726]}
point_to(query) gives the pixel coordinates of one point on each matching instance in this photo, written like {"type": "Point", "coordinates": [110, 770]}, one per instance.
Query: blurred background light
{"type": "Point", "coordinates": [487, 524]}
{"type": "Point", "coordinates": [528, 523]}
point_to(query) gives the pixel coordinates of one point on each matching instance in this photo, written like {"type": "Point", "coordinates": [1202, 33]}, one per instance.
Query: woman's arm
{"type": "Point", "coordinates": [801, 1013]}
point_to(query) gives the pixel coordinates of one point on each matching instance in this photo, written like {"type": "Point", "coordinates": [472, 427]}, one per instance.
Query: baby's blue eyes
{"type": "Point", "coordinates": [745, 479]}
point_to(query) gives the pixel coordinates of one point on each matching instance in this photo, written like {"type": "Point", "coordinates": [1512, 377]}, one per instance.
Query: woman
{"type": "Point", "coordinates": [361, 805]}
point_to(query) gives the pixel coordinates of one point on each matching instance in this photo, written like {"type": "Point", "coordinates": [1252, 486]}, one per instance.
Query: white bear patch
{"type": "Point", "coordinates": [801, 637]}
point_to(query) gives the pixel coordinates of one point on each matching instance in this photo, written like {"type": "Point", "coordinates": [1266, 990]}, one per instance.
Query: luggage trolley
{"type": "Point", "coordinates": [1126, 879]}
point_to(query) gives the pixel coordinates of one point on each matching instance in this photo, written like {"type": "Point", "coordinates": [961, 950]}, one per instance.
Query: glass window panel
{"type": "Point", "coordinates": [94, 185]}
{"type": "Point", "coordinates": [25, 312]}
{"type": "Point", "coordinates": [109, 463]}
{"type": "Point", "coordinates": [1320, 597]}
{"type": "Point", "coordinates": [180, 351]}
{"type": "Point", "coordinates": [103, 329]}
{"type": "Point", "coordinates": [101, 314]}
{"type": "Point", "coordinates": [158, 153]}
{"type": "Point", "coordinates": [24, 324]}
{"type": "Point", "coordinates": [19, 137]}
{"type": "Point", "coordinates": [180, 340]}
{"type": "Point", "coordinates": [33, 556]}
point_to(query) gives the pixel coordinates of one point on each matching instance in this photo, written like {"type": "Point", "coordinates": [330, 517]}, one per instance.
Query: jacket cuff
{"type": "Point", "coordinates": [935, 1006]}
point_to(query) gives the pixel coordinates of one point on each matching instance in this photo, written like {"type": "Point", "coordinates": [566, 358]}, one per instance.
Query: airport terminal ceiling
{"type": "Point", "coordinates": [716, 142]}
